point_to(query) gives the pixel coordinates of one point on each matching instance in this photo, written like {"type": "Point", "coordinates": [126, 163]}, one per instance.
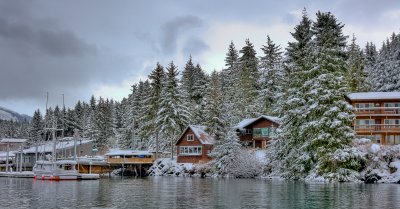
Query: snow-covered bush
{"type": "Point", "coordinates": [382, 164]}
{"type": "Point", "coordinates": [242, 165]}
{"type": "Point", "coordinates": [231, 160]}
{"type": "Point", "coordinates": [342, 165]}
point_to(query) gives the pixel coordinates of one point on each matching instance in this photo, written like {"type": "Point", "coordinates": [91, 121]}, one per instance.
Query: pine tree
{"type": "Point", "coordinates": [248, 77]}
{"type": "Point", "coordinates": [285, 158]}
{"type": "Point", "coordinates": [230, 86]}
{"type": "Point", "coordinates": [329, 116]}
{"type": "Point", "coordinates": [188, 79]}
{"type": "Point", "coordinates": [215, 124]}
{"type": "Point", "coordinates": [36, 128]}
{"type": "Point", "coordinates": [357, 77]}
{"type": "Point", "coordinates": [370, 57]}
{"type": "Point", "coordinates": [271, 77]}
{"type": "Point", "coordinates": [150, 130]}
{"type": "Point", "coordinates": [173, 116]}
{"type": "Point", "coordinates": [200, 90]}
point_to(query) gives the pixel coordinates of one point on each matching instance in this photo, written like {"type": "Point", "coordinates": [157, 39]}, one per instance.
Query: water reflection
{"type": "Point", "coordinates": [179, 192]}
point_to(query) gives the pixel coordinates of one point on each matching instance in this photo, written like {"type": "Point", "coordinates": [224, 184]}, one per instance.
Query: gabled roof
{"type": "Point", "coordinates": [200, 133]}
{"type": "Point", "coordinates": [374, 95]}
{"type": "Point", "coordinates": [249, 121]}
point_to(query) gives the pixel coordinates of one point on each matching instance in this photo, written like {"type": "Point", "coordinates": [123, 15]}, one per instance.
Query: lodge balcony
{"type": "Point", "coordinates": [377, 111]}
{"type": "Point", "coordinates": [377, 128]}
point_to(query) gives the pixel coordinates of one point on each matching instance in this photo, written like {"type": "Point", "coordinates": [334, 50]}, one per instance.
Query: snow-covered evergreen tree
{"type": "Point", "coordinates": [248, 76]}
{"type": "Point", "coordinates": [271, 77]}
{"type": "Point", "coordinates": [356, 76]}
{"type": "Point", "coordinates": [316, 118]}
{"type": "Point", "coordinates": [230, 86]}
{"type": "Point", "coordinates": [173, 116]}
{"type": "Point", "coordinates": [36, 128]}
{"type": "Point", "coordinates": [150, 130]}
{"type": "Point", "coordinates": [329, 117]}
{"type": "Point", "coordinates": [285, 157]}
{"type": "Point", "coordinates": [215, 124]}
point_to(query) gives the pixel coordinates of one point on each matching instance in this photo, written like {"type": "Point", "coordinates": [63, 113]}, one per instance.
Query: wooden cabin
{"type": "Point", "coordinates": [257, 132]}
{"type": "Point", "coordinates": [377, 116]}
{"type": "Point", "coordinates": [194, 145]}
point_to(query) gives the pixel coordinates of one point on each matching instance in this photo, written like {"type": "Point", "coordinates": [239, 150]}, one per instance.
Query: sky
{"type": "Point", "coordinates": [101, 47]}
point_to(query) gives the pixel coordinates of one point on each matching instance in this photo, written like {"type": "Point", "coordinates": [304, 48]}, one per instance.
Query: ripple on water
{"type": "Point", "coordinates": [181, 192]}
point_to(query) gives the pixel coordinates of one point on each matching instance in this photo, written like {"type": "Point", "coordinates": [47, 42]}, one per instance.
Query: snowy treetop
{"type": "Point", "coordinates": [12, 140]}
{"type": "Point", "coordinates": [118, 152]}
{"type": "Point", "coordinates": [374, 95]}
{"type": "Point", "coordinates": [48, 147]}
{"type": "Point", "coordinates": [249, 121]}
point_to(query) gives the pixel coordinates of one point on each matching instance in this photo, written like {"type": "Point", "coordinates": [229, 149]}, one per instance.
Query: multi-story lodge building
{"type": "Point", "coordinates": [377, 116]}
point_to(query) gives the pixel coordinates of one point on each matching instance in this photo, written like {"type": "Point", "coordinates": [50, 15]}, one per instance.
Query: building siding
{"type": "Point", "coordinates": [196, 142]}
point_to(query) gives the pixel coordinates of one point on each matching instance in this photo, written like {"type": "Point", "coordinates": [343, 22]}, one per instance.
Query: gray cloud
{"type": "Point", "coordinates": [69, 47]}
{"type": "Point", "coordinates": [194, 46]}
{"type": "Point", "coordinates": [172, 29]}
{"type": "Point", "coordinates": [51, 42]}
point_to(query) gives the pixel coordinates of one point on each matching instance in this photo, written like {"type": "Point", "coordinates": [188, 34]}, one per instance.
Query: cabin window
{"type": "Point", "coordinates": [263, 132]}
{"type": "Point", "coordinates": [248, 131]}
{"type": "Point", "coordinates": [190, 150]}
{"type": "Point", "coordinates": [190, 137]}
{"type": "Point", "coordinates": [393, 139]}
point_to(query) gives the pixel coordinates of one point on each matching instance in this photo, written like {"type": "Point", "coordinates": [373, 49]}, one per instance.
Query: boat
{"type": "Point", "coordinates": [58, 170]}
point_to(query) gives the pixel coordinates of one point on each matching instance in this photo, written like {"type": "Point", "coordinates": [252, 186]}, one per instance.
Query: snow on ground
{"type": "Point", "coordinates": [169, 167]}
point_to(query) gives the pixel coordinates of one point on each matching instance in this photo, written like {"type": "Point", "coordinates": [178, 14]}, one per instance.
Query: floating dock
{"type": "Point", "coordinates": [29, 174]}
{"type": "Point", "coordinates": [24, 174]}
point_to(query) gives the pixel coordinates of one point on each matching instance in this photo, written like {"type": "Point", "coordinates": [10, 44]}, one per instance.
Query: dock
{"type": "Point", "coordinates": [24, 174]}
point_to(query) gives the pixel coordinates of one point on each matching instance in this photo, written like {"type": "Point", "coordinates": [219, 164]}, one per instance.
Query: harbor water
{"type": "Point", "coordinates": [181, 192]}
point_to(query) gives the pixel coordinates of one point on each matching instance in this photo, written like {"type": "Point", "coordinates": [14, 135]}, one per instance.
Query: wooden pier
{"type": "Point", "coordinates": [130, 162]}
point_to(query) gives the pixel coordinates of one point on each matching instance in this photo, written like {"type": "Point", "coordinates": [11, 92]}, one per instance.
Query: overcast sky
{"type": "Point", "coordinates": [101, 47]}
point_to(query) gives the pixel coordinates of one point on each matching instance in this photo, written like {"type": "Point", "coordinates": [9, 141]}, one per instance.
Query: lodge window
{"type": "Point", "coordinates": [248, 131]}
{"type": "Point", "coordinates": [393, 139]}
{"type": "Point", "coordinates": [392, 104]}
{"type": "Point", "coordinates": [190, 150]}
{"type": "Point", "coordinates": [365, 123]}
{"type": "Point", "coordinates": [190, 137]}
{"type": "Point", "coordinates": [392, 123]}
{"type": "Point", "coordinates": [364, 106]}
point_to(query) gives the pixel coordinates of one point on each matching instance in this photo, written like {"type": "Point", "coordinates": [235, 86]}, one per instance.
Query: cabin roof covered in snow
{"type": "Point", "coordinates": [374, 96]}
{"type": "Point", "coordinates": [200, 133]}
{"type": "Point", "coordinates": [62, 144]}
{"type": "Point", "coordinates": [118, 152]}
{"type": "Point", "coordinates": [249, 121]}
{"type": "Point", "coordinates": [12, 140]}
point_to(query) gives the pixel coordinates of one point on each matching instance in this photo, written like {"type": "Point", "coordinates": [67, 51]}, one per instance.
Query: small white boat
{"type": "Point", "coordinates": [58, 170]}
